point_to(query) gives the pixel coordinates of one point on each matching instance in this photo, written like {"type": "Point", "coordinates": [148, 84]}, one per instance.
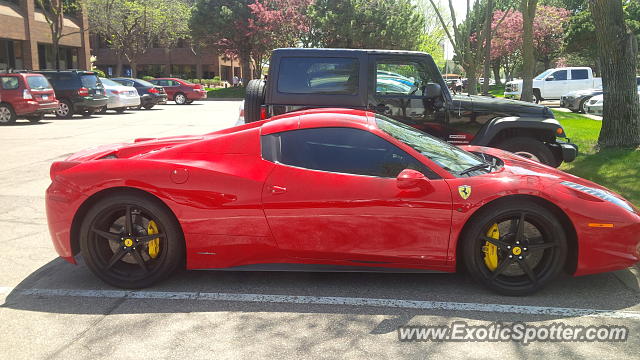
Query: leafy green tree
{"type": "Point", "coordinates": [131, 27]}
{"type": "Point", "coordinates": [372, 24]}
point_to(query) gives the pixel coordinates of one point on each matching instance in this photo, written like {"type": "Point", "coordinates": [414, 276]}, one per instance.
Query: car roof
{"type": "Point", "coordinates": [301, 51]}
{"type": "Point", "coordinates": [319, 117]}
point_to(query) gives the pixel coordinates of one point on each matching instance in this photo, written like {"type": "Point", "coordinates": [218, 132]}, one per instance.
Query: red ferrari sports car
{"type": "Point", "coordinates": [332, 190]}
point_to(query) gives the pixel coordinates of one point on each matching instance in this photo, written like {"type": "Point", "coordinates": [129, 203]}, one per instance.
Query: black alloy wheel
{"type": "Point", "coordinates": [515, 248]}
{"type": "Point", "coordinates": [130, 241]}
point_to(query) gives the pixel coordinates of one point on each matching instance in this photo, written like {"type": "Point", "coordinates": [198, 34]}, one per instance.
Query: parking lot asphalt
{"type": "Point", "coordinates": [54, 310]}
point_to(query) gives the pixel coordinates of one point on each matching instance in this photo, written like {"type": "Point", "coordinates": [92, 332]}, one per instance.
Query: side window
{"type": "Point", "coordinates": [579, 74]}
{"type": "Point", "coordinates": [162, 83]}
{"type": "Point", "coordinates": [301, 75]}
{"type": "Point", "coordinates": [404, 78]}
{"type": "Point", "coordinates": [560, 75]}
{"type": "Point", "coordinates": [340, 150]}
{"type": "Point", "coordinates": [173, 83]}
{"type": "Point", "coordinates": [9, 82]}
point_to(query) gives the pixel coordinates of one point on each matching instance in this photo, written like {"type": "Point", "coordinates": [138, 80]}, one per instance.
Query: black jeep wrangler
{"type": "Point", "coordinates": [408, 87]}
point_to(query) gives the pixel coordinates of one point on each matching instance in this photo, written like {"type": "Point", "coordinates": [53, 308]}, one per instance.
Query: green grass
{"type": "Point", "coordinates": [617, 169]}
{"type": "Point", "coordinates": [230, 92]}
{"type": "Point", "coordinates": [496, 90]}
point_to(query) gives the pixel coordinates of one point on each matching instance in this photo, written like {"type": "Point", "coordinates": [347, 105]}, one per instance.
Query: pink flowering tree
{"type": "Point", "coordinates": [548, 31]}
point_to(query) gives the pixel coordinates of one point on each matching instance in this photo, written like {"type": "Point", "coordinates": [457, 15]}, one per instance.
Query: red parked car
{"type": "Point", "coordinates": [332, 190]}
{"type": "Point", "coordinates": [181, 91]}
{"type": "Point", "coordinates": [25, 95]}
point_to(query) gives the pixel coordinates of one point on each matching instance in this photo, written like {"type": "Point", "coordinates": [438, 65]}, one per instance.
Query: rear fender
{"type": "Point", "coordinates": [499, 129]}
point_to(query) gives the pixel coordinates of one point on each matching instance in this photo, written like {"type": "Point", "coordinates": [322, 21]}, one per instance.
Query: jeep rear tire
{"type": "Point", "coordinates": [253, 100]}
{"type": "Point", "coordinates": [530, 148]}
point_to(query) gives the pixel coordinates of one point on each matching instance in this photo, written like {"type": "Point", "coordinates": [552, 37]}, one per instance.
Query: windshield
{"type": "Point", "coordinates": [38, 83]}
{"type": "Point", "coordinates": [449, 157]}
{"type": "Point", "coordinates": [541, 76]}
{"type": "Point", "coordinates": [109, 82]}
{"type": "Point", "coordinates": [145, 83]}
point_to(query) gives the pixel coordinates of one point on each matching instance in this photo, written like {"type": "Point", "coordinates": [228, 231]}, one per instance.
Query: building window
{"type": "Point", "coordinates": [10, 55]}
{"type": "Point", "coordinates": [67, 57]}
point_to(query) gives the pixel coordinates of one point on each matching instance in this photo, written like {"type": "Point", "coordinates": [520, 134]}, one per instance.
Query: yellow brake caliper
{"type": "Point", "coordinates": [490, 250]}
{"type": "Point", "coordinates": [154, 245]}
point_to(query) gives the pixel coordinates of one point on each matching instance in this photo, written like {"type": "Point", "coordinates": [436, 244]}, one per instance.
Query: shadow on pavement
{"type": "Point", "coordinates": [602, 291]}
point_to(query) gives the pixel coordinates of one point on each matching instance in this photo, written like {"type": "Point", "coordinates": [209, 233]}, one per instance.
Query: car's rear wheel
{"type": "Point", "coordinates": [130, 241]}
{"type": "Point", "coordinates": [536, 96]}
{"type": "Point", "coordinates": [35, 118]}
{"type": "Point", "coordinates": [65, 110]}
{"type": "Point", "coordinates": [120, 110]}
{"type": "Point", "coordinates": [529, 148]}
{"type": "Point", "coordinates": [102, 110]}
{"type": "Point", "coordinates": [253, 100]}
{"type": "Point", "coordinates": [189, 102]}
{"type": "Point", "coordinates": [7, 115]}
{"type": "Point", "coordinates": [180, 99]}
{"type": "Point", "coordinates": [514, 248]}
{"type": "Point", "coordinates": [148, 107]}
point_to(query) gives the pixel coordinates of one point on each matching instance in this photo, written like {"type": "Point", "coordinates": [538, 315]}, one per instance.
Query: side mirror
{"type": "Point", "coordinates": [550, 78]}
{"type": "Point", "coordinates": [432, 90]}
{"type": "Point", "coordinates": [409, 179]}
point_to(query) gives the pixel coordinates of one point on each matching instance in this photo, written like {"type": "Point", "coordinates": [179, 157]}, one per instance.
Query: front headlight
{"type": "Point", "coordinates": [601, 194]}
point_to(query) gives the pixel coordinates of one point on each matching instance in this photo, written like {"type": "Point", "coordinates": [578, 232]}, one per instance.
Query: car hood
{"type": "Point", "coordinates": [508, 107]}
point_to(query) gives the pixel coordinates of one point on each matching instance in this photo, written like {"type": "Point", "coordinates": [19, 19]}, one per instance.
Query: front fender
{"type": "Point", "coordinates": [493, 128]}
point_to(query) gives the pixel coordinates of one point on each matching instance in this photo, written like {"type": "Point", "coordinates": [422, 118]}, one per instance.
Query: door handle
{"type": "Point", "coordinates": [275, 190]}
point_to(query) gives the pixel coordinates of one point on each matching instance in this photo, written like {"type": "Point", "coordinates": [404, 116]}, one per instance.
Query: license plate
{"type": "Point", "coordinates": [45, 97]}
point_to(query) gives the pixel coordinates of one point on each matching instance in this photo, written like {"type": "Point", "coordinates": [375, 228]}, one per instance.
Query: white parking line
{"type": "Point", "coordinates": [332, 300]}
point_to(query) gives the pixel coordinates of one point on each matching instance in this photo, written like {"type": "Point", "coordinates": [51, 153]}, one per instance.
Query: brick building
{"type": "Point", "coordinates": [25, 39]}
{"type": "Point", "coordinates": [178, 62]}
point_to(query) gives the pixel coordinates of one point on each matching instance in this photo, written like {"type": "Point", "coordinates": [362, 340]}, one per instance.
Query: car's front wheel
{"type": "Point", "coordinates": [514, 247]}
{"type": "Point", "coordinates": [130, 241]}
{"type": "Point", "coordinates": [148, 106]}
{"type": "Point", "coordinates": [583, 103]}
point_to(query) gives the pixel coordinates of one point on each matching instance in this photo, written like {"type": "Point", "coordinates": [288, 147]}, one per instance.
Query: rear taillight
{"type": "Point", "coordinates": [26, 94]}
{"type": "Point", "coordinates": [83, 91]}
{"type": "Point", "coordinates": [263, 112]}
{"type": "Point", "coordinates": [116, 92]}
{"type": "Point", "coordinates": [153, 91]}
{"type": "Point", "coordinates": [60, 166]}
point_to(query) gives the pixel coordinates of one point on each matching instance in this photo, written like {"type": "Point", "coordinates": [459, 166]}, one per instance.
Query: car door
{"type": "Point", "coordinates": [333, 195]}
{"type": "Point", "coordinates": [171, 87]}
{"type": "Point", "coordinates": [556, 85]}
{"type": "Point", "coordinates": [396, 90]}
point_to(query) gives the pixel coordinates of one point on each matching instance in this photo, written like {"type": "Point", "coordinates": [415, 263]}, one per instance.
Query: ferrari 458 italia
{"type": "Point", "coordinates": [332, 190]}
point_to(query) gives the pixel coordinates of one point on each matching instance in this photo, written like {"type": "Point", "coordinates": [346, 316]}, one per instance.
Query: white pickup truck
{"type": "Point", "coordinates": [553, 83]}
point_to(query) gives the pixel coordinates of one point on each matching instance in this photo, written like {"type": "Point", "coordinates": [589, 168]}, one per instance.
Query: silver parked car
{"type": "Point", "coordinates": [594, 105]}
{"type": "Point", "coordinates": [120, 97]}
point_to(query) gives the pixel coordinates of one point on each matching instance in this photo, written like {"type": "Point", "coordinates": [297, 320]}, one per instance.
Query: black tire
{"type": "Point", "coordinates": [7, 115]}
{"type": "Point", "coordinates": [189, 102]}
{"type": "Point", "coordinates": [35, 118]}
{"type": "Point", "coordinates": [102, 110]}
{"type": "Point", "coordinates": [89, 113]}
{"type": "Point", "coordinates": [530, 148]}
{"type": "Point", "coordinates": [180, 98]}
{"type": "Point", "coordinates": [253, 100]}
{"type": "Point", "coordinates": [120, 110]}
{"type": "Point", "coordinates": [528, 256]}
{"type": "Point", "coordinates": [119, 253]}
{"type": "Point", "coordinates": [148, 106]}
{"type": "Point", "coordinates": [65, 110]}
{"type": "Point", "coordinates": [137, 107]}
{"type": "Point", "coordinates": [537, 97]}
{"type": "Point", "coordinates": [581, 108]}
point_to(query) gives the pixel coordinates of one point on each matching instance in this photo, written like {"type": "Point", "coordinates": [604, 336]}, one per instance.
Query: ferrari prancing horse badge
{"type": "Point", "coordinates": [464, 191]}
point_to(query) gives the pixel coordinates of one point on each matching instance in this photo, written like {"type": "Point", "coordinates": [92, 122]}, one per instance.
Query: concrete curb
{"type": "Point", "coordinates": [222, 99]}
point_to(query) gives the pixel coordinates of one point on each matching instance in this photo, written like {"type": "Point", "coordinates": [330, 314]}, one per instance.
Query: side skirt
{"type": "Point", "coordinates": [324, 268]}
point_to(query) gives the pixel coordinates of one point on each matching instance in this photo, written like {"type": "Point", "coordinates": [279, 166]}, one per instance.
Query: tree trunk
{"type": "Point", "coordinates": [472, 80]}
{"type": "Point", "coordinates": [528, 9]}
{"type": "Point", "coordinates": [118, 64]}
{"type": "Point", "coordinates": [495, 65]}
{"type": "Point", "coordinates": [621, 111]}
{"type": "Point", "coordinates": [56, 53]}
{"type": "Point", "coordinates": [245, 63]}
{"type": "Point", "coordinates": [133, 64]}
{"type": "Point", "coordinates": [486, 71]}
